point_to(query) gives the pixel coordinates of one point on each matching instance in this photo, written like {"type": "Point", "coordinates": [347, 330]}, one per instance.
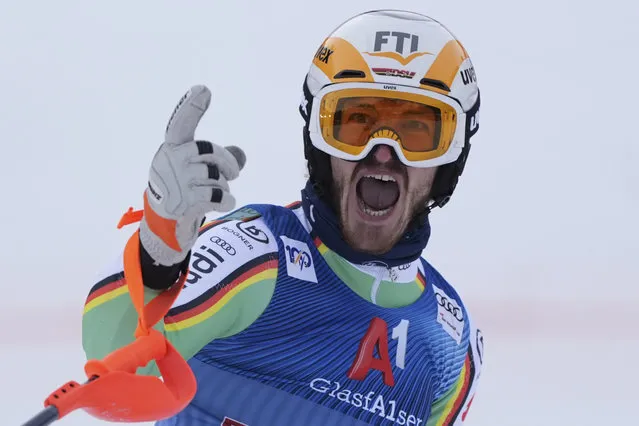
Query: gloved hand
{"type": "Point", "coordinates": [188, 179]}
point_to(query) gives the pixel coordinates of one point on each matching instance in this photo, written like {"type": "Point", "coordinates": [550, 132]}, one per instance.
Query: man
{"type": "Point", "coordinates": [321, 312]}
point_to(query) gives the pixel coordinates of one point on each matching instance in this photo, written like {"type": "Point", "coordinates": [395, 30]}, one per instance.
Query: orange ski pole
{"type": "Point", "coordinates": [113, 391]}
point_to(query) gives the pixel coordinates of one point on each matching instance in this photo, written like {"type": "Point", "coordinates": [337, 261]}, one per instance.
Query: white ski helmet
{"type": "Point", "coordinates": [403, 56]}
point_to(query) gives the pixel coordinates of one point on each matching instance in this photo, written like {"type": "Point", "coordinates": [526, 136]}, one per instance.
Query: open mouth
{"type": "Point", "coordinates": [377, 194]}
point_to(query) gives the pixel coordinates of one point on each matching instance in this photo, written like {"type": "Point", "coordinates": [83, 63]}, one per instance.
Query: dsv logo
{"type": "Point", "coordinates": [224, 245]}
{"type": "Point", "coordinates": [445, 303]}
{"type": "Point", "coordinates": [298, 257]}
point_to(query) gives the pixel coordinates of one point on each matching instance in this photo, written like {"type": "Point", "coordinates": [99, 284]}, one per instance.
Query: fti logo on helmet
{"type": "Point", "coordinates": [383, 47]}
{"type": "Point", "coordinates": [383, 37]}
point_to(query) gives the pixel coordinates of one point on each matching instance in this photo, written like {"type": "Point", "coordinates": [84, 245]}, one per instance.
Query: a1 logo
{"type": "Point", "coordinates": [376, 337]}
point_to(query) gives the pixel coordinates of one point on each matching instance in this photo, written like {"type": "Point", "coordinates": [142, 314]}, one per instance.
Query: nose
{"type": "Point", "coordinates": [383, 154]}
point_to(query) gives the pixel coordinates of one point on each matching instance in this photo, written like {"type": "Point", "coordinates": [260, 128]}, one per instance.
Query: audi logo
{"type": "Point", "coordinates": [224, 245]}
{"type": "Point", "coordinates": [445, 303]}
{"type": "Point", "coordinates": [404, 267]}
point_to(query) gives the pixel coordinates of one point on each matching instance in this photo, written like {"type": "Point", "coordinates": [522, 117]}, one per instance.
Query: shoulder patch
{"type": "Point", "coordinates": [299, 262]}
{"type": "Point", "coordinates": [449, 314]}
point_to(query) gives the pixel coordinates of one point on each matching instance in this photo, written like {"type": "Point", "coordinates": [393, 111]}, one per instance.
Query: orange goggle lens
{"type": "Point", "coordinates": [423, 126]}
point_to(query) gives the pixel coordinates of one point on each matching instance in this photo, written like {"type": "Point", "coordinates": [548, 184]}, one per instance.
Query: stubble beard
{"type": "Point", "coordinates": [375, 239]}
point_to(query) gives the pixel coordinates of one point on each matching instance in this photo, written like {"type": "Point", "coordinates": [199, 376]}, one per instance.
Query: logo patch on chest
{"type": "Point", "coordinates": [299, 262]}
{"type": "Point", "coordinates": [449, 314]}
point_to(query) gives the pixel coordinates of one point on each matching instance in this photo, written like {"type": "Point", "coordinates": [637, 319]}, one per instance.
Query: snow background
{"type": "Point", "coordinates": [541, 237]}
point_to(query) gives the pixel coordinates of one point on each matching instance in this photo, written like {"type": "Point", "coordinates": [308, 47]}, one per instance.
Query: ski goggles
{"type": "Point", "coordinates": [426, 129]}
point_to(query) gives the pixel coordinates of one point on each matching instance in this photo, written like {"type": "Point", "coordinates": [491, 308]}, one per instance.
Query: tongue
{"type": "Point", "coordinates": [378, 194]}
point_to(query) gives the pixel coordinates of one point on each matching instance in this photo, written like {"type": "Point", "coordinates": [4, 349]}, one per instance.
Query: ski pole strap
{"type": "Point", "coordinates": [113, 391]}
{"type": "Point", "coordinates": [155, 310]}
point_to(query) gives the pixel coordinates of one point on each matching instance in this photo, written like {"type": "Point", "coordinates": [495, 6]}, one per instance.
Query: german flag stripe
{"type": "Point", "coordinates": [255, 266]}
{"type": "Point", "coordinates": [107, 289]}
{"type": "Point", "coordinates": [221, 297]}
{"type": "Point", "coordinates": [319, 244]}
{"type": "Point", "coordinates": [293, 205]}
{"type": "Point", "coordinates": [463, 386]}
{"type": "Point", "coordinates": [421, 280]}
{"type": "Point", "coordinates": [106, 281]}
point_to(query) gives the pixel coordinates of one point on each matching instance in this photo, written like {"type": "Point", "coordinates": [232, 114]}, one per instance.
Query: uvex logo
{"type": "Point", "coordinates": [405, 44]}
{"type": "Point", "coordinates": [473, 123]}
{"type": "Point", "coordinates": [468, 75]}
{"type": "Point", "coordinates": [323, 54]}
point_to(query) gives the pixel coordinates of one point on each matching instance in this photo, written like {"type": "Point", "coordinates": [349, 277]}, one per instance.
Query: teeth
{"type": "Point", "coordinates": [372, 212]}
{"type": "Point", "coordinates": [385, 178]}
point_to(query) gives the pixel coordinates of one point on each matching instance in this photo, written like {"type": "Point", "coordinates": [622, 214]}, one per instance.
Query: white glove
{"type": "Point", "coordinates": [187, 179]}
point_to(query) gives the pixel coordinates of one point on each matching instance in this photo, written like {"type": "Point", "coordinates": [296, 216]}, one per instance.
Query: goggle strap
{"type": "Point", "coordinates": [472, 119]}
{"type": "Point", "coordinates": [306, 103]}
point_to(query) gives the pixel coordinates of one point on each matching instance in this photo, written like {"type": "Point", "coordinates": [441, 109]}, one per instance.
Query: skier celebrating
{"type": "Point", "coordinates": [321, 312]}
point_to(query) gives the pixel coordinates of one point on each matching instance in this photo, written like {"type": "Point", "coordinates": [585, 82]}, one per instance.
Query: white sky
{"type": "Point", "coordinates": [547, 206]}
